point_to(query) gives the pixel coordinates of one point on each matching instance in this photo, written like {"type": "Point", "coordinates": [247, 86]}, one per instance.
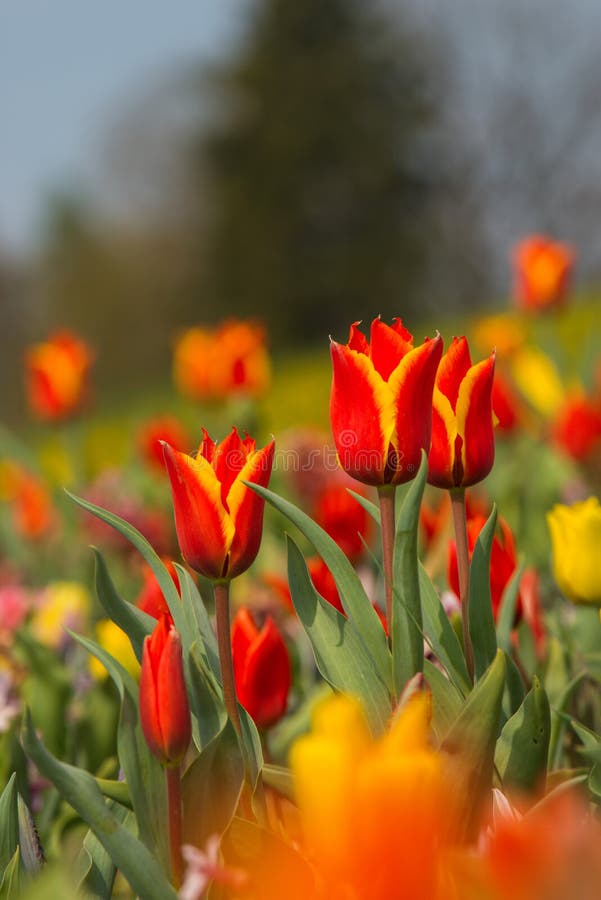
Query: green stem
{"type": "Point", "coordinates": [386, 495]}
{"type": "Point", "coordinates": [463, 571]}
{"type": "Point", "coordinates": [174, 805]}
{"type": "Point", "coordinates": [224, 644]}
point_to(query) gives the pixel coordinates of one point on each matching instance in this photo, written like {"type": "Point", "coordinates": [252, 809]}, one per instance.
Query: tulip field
{"type": "Point", "coordinates": [316, 626]}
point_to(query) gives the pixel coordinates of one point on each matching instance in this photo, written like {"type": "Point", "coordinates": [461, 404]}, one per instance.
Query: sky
{"type": "Point", "coordinates": [65, 67]}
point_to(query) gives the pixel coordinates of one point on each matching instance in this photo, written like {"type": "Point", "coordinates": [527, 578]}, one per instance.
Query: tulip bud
{"type": "Point", "coordinates": [261, 668]}
{"type": "Point", "coordinates": [164, 708]}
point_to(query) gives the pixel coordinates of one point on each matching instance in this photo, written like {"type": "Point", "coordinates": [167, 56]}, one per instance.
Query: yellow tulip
{"type": "Point", "coordinates": [537, 378]}
{"type": "Point", "coordinates": [576, 542]}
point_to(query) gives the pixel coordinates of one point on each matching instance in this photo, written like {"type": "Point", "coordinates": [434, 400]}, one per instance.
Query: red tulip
{"type": "Point", "coordinates": [463, 447]}
{"type": "Point", "coordinates": [343, 517]}
{"type": "Point", "coordinates": [261, 668]}
{"type": "Point", "coordinates": [506, 405]}
{"type": "Point", "coordinates": [503, 561]}
{"type": "Point", "coordinates": [154, 432]}
{"type": "Point", "coordinates": [57, 376]}
{"type": "Point", "coordinates": [217, 518]}
{"type": "Point", "coordinates": [380, 406]}
{"type": "Point", "coordinates": [164, 708]}
{"type": "Point", "coordinates": [577, 428]}
{"type": "Point", "coordinates": [542, 272]}
{"type": "Point", "coordinates": [150, 599]}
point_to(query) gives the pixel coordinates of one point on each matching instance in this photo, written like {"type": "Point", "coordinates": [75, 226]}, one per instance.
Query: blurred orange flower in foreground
{"type": "Point", "coordinates": [542, 272]}
{"type": "Point", "coordinates": [214, 364]}
{"type": "Point", "coordinates": [56, 376]}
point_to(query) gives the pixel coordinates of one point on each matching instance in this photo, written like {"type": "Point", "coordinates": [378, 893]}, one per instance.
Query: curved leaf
{"type": "Point", "coordinates": [352, 593]}
{"type": "Point", "coordinates": [340, 655]}
{"type": "Point", "coordinates": [481, 620]}
{"type": "Point", "coordinates": [521, 753]}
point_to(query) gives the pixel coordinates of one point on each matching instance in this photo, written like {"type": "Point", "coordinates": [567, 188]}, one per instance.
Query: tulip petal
{"type": "Point", "coordinates": [453, 368]}
{"type": "Point", "coordinates": [246, 510]}
{"type": "Point", "coordinates": [475, 422]}
{"type": "Point", "coordinates": [362, 415]}
{"type": "Point", "coordinates": [149, 711]}
{"type": "Point", "coordinates": [172, 699]}
{"type": "Point", "coordinates": [267, 677]}
{"type": "Point", "coordinates": [442, 451]}
{"type": "Point", "coordinates": [244, 632]}
{"type": "Point", "coordinates": [388, 346]}
{"type": "Point", "coordinates": [357, 340]}
{"type": "Point", "coordinates": [412, 384]}
{"type": "Point", "coordinates": [205, 531]}
{"type": "Point", "coordinates": [228, 461]}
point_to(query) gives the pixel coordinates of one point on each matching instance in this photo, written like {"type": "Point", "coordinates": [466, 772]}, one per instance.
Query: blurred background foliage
{"type": "Point", "coordinates": [342, 159]}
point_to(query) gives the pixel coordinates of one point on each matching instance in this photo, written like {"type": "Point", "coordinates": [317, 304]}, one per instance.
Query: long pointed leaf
{"type": "Point", "coordinates": [340, 655]}
{"type": "Point", "coordinates": [481, 620]}
{"type": "Point", "coordinates": [407, 640]}
{"type": "Point", "coordinates": [137, 863]}
{"type": "Point", "coordinates": [441, 635]}
{"type": "Point", "coordinates": [521, 752]}
{"type": "Point", "coordinates": [352, 593]}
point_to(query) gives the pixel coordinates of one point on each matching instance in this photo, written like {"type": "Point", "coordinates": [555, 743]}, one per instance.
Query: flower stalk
{"type": "Point", "coordinates": [463, 570]}
{"type": "Point", "coordinates": [386, 497]}
{"type": "Point", "coordinates": [224, 645]}
{"type": "Point", "coordinates": [174, 808]}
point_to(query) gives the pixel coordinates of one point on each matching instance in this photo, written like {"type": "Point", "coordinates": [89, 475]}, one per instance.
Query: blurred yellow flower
{"type": "Point", "coordinates": [537, 378]}
{"type": "Point", "coordinates": [376, 813]}
{"type": "Point", "coordinates": [62, 604]}
{"type": "Point", "coordinates": [115, 641]}
{"type": "Point", "coordinates": [576, 543]}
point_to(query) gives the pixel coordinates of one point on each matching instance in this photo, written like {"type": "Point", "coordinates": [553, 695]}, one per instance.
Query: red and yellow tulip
{"type": "Point", "coordinates": [217, 518]}
{"type": "Point", "coordinates": [463, 446]}
{"type": "Point", "coordinates": [261, 668]}
{"type": "Point", "coordinates": [380, 406]}
{"type": "Point", "coordinates": [56, 376]}
{"type": "Point", "coordinates": [164, 707]}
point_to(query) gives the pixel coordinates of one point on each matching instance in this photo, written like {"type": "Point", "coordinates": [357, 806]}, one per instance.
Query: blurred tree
{"type": "Point", "coordinates": [318, 194]}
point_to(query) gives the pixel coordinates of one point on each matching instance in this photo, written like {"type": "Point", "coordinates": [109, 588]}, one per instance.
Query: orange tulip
{"type": "Point", "coordinates": [261, 668]}
{"type": "Point", "coordinates": [380, 406]}
{"type": "Point", "coordinates": [542, 272]}
{"type": "Point", "coordinates": [33, 513]}
{"type": "Point", "coordinates": [217, 518]}
{"type": "Point", "coordinates": [57, 376]}
{"type": "Point", "coordinates": [164, 708]}
{"type": "Point", "coordinates": [463, 447]}
{"type": "Point", "coordinates": [229, 360]}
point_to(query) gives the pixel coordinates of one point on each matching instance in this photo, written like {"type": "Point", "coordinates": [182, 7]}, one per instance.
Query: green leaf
{"type": "Point", "coordinates": [558, 719]}
{"type": "Point", "coordinates": [441, 635]}
{"type": "Point", "coordinates": [78, 788]}
{"type": "Point", "coordinates": [9, 823]}
{"type": "Point", "coordinates": [446, 699]}
{"type": "Point", "coordinates": [211, 788]}
{"type": "Point", "coordinates": [32, 854]}
{"type": "Point", "coordinates": [281, 780]}
{"type": "Point", "coordinates": [203, 629]}
{"type": "Point", "coordinates": [470, 746]}
{"type": "Point", "coordinates": [115, 790]}
{"type": "Point", "coordinates": [407, 637]}
{"type": "Point", "coordinates": [352, 593]}
{"type": "Point", "coordinates": [506, 616]}
{"type": "Point", "coordinates": [10, 888]}
{"type": "Point", "coordinates": [141, 544]}
{"type": "Point", "coordinates": [143, 773]}
{"type": "Point", "coordinates": [481, 620]}
{"type": "Point", "coordinates": [521, 753]}
{"type": "Point", "coordinates": [206, 699]}
{"type": "Point", "coordinates": [135, 623]}
{"type": "Point", "coordinates": [340, 655]}
{"type": "Point", "coordinates": [514, 688]}
{"type": "Point", "coordinates": [99, 875]}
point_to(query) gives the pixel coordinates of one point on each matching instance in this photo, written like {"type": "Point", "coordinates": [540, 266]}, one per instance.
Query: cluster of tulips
{"type": "Point", "coordinates": [443, 747]}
